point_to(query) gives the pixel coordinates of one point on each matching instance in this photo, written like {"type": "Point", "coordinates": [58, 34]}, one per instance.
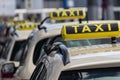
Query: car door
{"type": "Point", "coordinates": [50, 65]}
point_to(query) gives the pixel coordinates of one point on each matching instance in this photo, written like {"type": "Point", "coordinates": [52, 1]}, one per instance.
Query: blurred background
{"type": "Point", "coordinates": [37, 10]}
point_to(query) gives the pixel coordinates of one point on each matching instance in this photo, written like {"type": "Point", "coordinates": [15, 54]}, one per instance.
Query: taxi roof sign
{"type": "Point", "coordinates": [13, 23]}
{"type": "Point", "coordinates": [91, 30]}
{"type": "Point", "coordinates": [27, 26]}
{"type": "Point", "coordinates": [72, 13]}
{"type": "Point", "coordinates": [23, 25]}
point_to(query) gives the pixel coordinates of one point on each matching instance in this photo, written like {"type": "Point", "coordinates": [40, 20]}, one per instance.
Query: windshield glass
{"type": "Point", "coordinates": [18, 50]}
{"type": "Point", "coordinates": [93, 74]}
{"type": "Point", "coordinates": [85, 42]}
{"type": "Point", "coordinates": [25, 50]}
{"type": "Point", "coordinates": [6, 49]}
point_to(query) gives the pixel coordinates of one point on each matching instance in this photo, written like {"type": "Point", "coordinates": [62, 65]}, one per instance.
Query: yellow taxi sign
{"type": "Point", "coordinates": [73, 13]}
{"type": "Point", "coordinates": [27, 26]}
{"type": "Point", "coordinates": [93, 30]}
{"type": "Point", "coordinates": [14, 23]}
{"type": "Point", "coordinates": [24, 25]}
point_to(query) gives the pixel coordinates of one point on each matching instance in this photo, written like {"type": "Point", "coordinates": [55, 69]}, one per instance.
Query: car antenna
{"type": "Point", "coordinates": [39, 27]}
{"type": "Point", "coordinates": [44, 20]}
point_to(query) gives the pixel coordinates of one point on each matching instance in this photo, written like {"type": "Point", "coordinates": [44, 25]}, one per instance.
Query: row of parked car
{"type": "Point", "coordinates": [71, 50]}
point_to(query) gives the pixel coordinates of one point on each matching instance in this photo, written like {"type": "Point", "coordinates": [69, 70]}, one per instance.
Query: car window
{"type": "Point", "coordinates": [25, 50]}
{"type": "Point", "coordinates": [40, 72]}
{"type": "Point", "coordinates": [39, 50]}
{"type": "Point", "coordinates": [91, 74]}
{"type": "Point", "coordinates": [6, 49]}
{"type": "Point", "coordinates": [17, 50]}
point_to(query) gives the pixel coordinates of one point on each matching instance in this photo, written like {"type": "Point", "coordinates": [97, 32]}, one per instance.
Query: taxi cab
{"type": "Point", "coordinates": [41, 41]}
{"type": "Point", "coordinates": [92, 52]}
{"type": "Point", "coordinates": [16, 39]}
{"type": "Point", "coordinates": [30, 53]}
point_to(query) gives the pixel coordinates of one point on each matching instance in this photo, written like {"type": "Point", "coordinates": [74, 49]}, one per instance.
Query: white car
{"type": "Point", "coordinates": [11, 53]}
{"type": "Point", "coordinates": [31, 52]}
{"type": "Point", "coordinates": [91, 57]}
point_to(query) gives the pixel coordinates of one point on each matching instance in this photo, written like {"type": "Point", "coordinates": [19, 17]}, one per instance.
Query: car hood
{"type": "Point", "coordinates": [96, 56]}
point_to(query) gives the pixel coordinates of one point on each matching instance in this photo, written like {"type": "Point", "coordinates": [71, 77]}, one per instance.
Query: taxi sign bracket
{"type": "Point", "coordinates": [113, 40]}
{"type": "Point", "coordinates": [44, 20]}
{"type": "Point", "coordinates": [80, 20]}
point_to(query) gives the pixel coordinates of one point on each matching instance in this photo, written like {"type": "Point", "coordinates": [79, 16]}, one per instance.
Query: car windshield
{"type": "Point", "coordinates": [91, 74]}
{"type": "Point", "coordinates": [15, 55]}
{"type": "Point", "coordinates": [84, 42]}
{"type": "Point", "coordinates": [87, 42]}
{"type": "Point", "coordinates": [6, 49]}
{"type": "Point", "coordinates": [18, 50]}
{"type": "Point", "coordinates": [25, 49]}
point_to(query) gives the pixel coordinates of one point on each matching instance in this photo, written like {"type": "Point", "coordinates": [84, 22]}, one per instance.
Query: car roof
{"type": "Point", "coordinates": [22, 35]}
{"type": "Point", "coordinates": [39, 35]}
{"type": "Point", "coordinates": [55, 28]}
{"type": "Point", "coordinates": [51, 26]}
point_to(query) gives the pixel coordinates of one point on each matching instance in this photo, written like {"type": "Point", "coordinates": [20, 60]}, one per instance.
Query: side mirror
{"type": "Point", "coordinates": [8, 68]}
{"type": "Point", "coordinates": [60, 48]}
{"type": "Point", "coordinates": [64, 51]}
